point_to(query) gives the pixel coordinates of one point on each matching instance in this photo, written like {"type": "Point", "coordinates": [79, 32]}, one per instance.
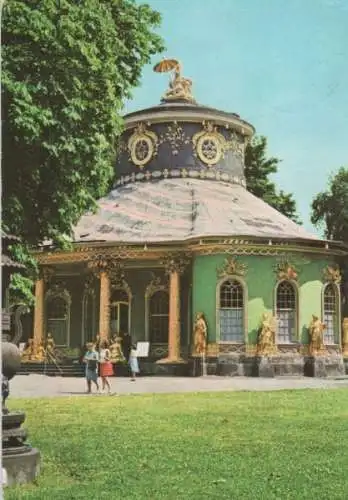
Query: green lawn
{"type": "Point", "coordinates": [237, 445]}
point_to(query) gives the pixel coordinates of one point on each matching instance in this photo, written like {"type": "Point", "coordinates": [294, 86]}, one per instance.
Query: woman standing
{"type": "Point", "coordinates": [106, 369]}
{"type": "Point", "coordinates": [133, 362]}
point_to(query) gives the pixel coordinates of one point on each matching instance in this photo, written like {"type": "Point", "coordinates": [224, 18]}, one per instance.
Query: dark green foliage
{"type": "Point", "coordinates": [257, 170]}
{"type": "Point", "coordinates": [330, 208]}
{"type": "Point", "coordinates": [67, 67]}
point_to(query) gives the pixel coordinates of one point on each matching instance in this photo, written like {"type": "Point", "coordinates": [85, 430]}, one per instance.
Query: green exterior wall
{"type": "Point", "coordinates": [261, 281]}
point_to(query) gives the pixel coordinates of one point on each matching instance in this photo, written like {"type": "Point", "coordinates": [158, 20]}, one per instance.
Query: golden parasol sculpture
{"type": "Point", "coordinates": [167, 65]}
{"type": "Point", "coordinates": [179, 87]}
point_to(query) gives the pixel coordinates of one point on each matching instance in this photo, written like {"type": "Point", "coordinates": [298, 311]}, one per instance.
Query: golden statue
{"type": "Point", "coordinates": [345, 337]}
{"type": "Point", "coordinates": [316, 336]}
{"type": "Point", "coordinates": [200, 334]}
{"type": "Point", "coordinates": [28, 352]}
{"type": "Point", "coordinates": [50, 345]}
{"type": "Point", "coordinates": [266, 344]}
{"type": "Point", "coordinates": [180, 88]}
{"type": "Point", "coordinates": [116, 354]}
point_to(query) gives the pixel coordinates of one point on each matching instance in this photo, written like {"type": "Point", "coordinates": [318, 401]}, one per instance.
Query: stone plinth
{"type": "Point", "coordinates": [345, 361]}
{"type": "Point", "coordinates": [288, 365]}
{"type": "Point", "coordinates": [324, 366]}
{"type": "Point", "coordinates": [21, 461]}
{"type": "Point", "coordinates": [231, 365]}
{"type": "Point", "coordinates": [263, 367]}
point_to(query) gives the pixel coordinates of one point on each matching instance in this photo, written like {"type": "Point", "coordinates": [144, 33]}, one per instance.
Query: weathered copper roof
{"type": "Point", "coordinates": [180, 209]}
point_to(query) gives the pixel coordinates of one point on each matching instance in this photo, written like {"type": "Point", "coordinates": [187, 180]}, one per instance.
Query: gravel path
{"type": "Point", "coordinates": [28, 386]}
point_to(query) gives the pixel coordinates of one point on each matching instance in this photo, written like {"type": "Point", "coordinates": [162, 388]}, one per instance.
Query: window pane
{"type": "Point", "coordinates": [159, 317]}
{"type": "Point", "coordinates": [231, 311]}
{"type": "Point", "coordinates": [286, 312]}
{"type": "Point", "coordinates": [330, 314]}
{"type": "Point", "coordinates": [231, 325]}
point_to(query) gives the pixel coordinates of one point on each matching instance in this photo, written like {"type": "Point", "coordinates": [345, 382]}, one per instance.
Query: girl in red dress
{"type": "Point", "coordinates": [106, 369]}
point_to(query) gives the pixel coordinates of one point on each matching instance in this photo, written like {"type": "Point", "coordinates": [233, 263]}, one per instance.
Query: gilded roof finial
{"type": "Point", "coordinates": [180, 88]}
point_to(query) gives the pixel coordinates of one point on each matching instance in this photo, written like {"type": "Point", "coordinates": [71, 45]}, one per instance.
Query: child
{"type": "Point", "coordinates": [106, 369]}
{"type": "Point", "coordinates": [91, 359]}
{"type": "Point", "coordinates": [133, 362]}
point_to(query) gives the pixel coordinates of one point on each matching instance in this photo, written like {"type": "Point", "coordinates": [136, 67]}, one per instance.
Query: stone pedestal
{"type": "Point", "coordinates": [231, 365]}
{"type": "Point", "coordinates": [21, 461]}
{"type": "Point", "coordinates": [263, 367]}
{"type": "Point", "coordinates": [324, 366]}
{"type": "Point", "coordinates": [345, 361]}
{"type": "Point", "coordinates": [288, 365]}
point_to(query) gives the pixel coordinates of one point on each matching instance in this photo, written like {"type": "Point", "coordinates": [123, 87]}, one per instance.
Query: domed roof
{"type": "Point", "coordinates": [180, 175]}
{"type": "Point", "coordinates": [182, 209]}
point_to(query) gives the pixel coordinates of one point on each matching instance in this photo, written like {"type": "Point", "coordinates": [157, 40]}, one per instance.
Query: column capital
{"type": "Point", "coordinates": [114, 268]}
{"type": "Point", "coordinates": [46, 274]}
{"type": "Point", "coordinates": [99, 263]}
{"type": "Point", "coordinates": [176, 262]}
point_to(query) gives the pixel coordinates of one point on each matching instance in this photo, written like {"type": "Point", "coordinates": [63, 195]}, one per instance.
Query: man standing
{"type": "Point", "coordinates": [91, 359]}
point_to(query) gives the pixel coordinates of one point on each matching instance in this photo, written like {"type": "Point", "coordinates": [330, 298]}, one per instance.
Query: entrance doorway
{"type": "Point", "coordinates": [120, 312]}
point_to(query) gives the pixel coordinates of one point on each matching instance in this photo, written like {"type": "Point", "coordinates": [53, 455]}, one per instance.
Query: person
{"type": "Point", "coordinates": [5, 390]}
{"type": "Point", "coordinates": [126, 345]}
{"type": "Point", "coordinates": [91, 359]}
{"type": "Point", "coordinates": [133, 362]}
{"type": "Point", "coordinates": [106, 369]}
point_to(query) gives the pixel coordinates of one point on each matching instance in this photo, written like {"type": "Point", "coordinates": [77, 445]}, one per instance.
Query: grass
{"type": "Point", "coordinates": [237, 445]}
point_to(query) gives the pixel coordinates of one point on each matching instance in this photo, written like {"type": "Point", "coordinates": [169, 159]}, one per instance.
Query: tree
{"type": "Point", "coordinates": [67, 68]}
{"type": "Point", "coordinates": [257, 169]}
{"type": "Point", "coordinates": [330, 208]}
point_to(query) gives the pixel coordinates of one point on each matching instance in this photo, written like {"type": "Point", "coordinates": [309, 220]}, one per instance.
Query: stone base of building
{"type": "Point", "coordinates": [279, 365]}
{"type": "Point", "coordinates": [345, 362]}
{"type": "Point", "coordinates": [324, 366]}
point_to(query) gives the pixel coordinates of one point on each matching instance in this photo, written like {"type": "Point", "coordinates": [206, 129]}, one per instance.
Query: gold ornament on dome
{"type": "Point", "coordinates": [209, 145]}
{"type": "Point", "coordinates": [332, 274]}
{"type": "Point", "coordinates": [175, 136]}
{"type": "Point", "coordinates": [231, 267]}
{"type": "Point", "coordinates": [142, 145]}
{"type": "Point", "coordinates": [236, 143]}
{"type": "Point", "coordinates": [180, 88]}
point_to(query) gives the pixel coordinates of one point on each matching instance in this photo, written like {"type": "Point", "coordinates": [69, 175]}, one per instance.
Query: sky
{"type": "Point", "coordinates": [282, 65]}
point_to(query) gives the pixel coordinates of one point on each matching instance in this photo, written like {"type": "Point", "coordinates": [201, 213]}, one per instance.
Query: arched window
{"type": "Point", "coordinates": [231, 311]}
{"type": "Point", "coordinates": [159, 317]}
{"type": "Point", "coordinates": [286, 312]}
{"type": "Point", "coordinates": [120, 312]}
{"type": "Point", "coordinates": [330, 313]}
{"type": "Point", "coordinates": [89, 316]}
{"type": "Point", "coordinates": [58, 304]}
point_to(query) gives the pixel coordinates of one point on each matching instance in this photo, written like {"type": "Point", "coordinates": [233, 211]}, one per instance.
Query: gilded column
{"type": "Point", "coordinates": [174, 267]}
{"type": "Point", "coordinates": [104, 308]}
{"type": "Point", "coordinates": [345, 337]}
{"type": "Point", "coordinates": [38, 333]}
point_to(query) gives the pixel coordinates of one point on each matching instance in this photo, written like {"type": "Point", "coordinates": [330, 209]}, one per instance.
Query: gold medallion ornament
{"type": "Point", "coordinates": [209, 144]}
{"type": "Point", "coordinates": [230, 267]}
{"type": "Point", "coordinates": [332, 274]}
{"type": "Point", "coordinates": [142, 145]}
